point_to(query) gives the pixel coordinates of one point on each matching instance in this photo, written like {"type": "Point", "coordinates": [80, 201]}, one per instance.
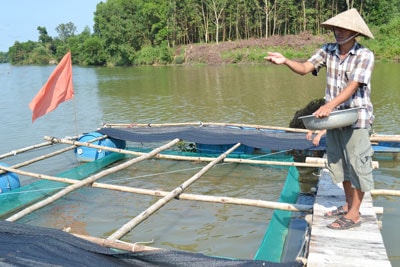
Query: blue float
{"type": "Point", "coordinates": [8, 180]}
{"type": "Point", "coordinates": [88, 154]}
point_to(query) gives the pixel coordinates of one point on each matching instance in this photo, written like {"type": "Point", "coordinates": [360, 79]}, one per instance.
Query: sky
{"type": "Point", "coordinates": [19, 19]}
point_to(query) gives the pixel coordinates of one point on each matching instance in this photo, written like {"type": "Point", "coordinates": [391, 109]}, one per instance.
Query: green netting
{"type": "Point", "coordinates": [274, 239]}
{"type": "Point", "coordinates": [20, 198]}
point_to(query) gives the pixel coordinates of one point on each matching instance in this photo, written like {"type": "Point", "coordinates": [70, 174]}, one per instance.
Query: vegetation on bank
{"type": "Point", "coordinates": [135, 32]}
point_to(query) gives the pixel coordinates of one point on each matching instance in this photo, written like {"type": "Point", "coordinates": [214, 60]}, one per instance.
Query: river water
{"type": "Point", "coordinates": [251, 94]}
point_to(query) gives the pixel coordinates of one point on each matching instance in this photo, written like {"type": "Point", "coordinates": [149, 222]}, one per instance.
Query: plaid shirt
{"type": "Point", "coordinates": [357, 66]}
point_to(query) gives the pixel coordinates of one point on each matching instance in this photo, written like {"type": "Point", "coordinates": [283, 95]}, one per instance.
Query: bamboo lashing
{"type": "Point", "coordinates": [158, 193]}
{"type": "Point", "coordinates": [89, 180]}
{"type": "Point", "coordinates": [189, 158]}
{"type": "Point", "coordinates": [117, 244]}
{"type": "Point", "coordinates": [173, 194]}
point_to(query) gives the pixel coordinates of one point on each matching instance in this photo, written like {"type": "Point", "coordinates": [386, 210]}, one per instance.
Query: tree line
{"type": "Point", "coordinates": [135, 32]}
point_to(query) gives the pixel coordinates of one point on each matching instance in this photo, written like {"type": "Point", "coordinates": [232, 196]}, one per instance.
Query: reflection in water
{"type": "Point", "coordinates": [260, 94]}
{"type": "Point", "coordinates": [231, 93]}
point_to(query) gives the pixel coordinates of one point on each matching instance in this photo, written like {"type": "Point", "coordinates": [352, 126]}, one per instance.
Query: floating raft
{"type": "Point", "coordinates": [359, 246]}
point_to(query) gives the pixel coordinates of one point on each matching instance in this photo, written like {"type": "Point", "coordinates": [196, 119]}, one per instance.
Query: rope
{"type": "Point", "coordinates": [189, 169]}
{"type": "Point", "coordinates": [30, 191]}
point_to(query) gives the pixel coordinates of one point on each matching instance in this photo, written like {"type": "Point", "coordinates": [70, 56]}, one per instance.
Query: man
{"type": "Point", "coordinates": [348, 75]}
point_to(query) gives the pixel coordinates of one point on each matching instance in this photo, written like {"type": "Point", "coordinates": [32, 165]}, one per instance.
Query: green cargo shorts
{"type": "Point", "coordinates": [349, 154]}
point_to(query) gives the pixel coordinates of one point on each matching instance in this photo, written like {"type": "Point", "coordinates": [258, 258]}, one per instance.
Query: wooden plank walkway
{"type": "Point", "coordinates": [361, 246]}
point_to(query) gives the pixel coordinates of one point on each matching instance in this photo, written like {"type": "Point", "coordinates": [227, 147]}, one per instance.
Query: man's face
{"type": "Point", "coordinates": [341, 35]}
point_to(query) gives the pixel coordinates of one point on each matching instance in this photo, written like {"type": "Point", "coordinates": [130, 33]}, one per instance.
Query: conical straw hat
{"type": "Point", "coordinates": [349, 20]}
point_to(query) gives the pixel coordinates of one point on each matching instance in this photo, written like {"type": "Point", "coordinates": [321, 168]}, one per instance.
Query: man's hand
{"type": "Point", "coordinates": [276, 58]}
{"type": "Point", "coordinates": [323, 111]}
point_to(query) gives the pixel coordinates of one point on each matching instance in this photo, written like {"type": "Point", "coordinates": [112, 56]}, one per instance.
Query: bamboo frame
{"type": "Point", "coordinates": [49, 155]}
{"type": "Point", "coordinates": [189, 158]}
{"type": "Point", "coordinates": [87, 181]}
{"type": "Point", "coordinates": [173, 194]}
{"type": "Point", "coordinates": [213, 199]}
{"type": "Point", "coordinates": [373, 138]}
{"type": "Point", "coordinates": [158, 193]}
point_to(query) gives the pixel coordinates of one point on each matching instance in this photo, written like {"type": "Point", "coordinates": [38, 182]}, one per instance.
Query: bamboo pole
{"type": "Point", "coordinates": [385, 138]}
{"type": "Point", "coordinates": [378, 210]}
{"type": "Point", "coordinates": [39, 176]}
{"type": "Point", "coordinates": [324, 162]}
{"type": "Point", "coordinates": [117, 244]}
{"type": "Point", "coordinates": [213, 199]}
{"type": "Point", "coordinates": [18, 151]}
{"type": "Point", "coordinates": [49, 155]}
{"type": "Point", "coordinates": [158, 193]}
{"type": "Point", "coordinates": [189, 158]}
{"type": "Point", "coordinates": [87, 181]}
{"type": "Point", "coordinates": [373, 138]}
{"type": "Point", "coordinates": [88, 144]}
{"type": "Point", "coordinates": [240, 125]}
{"type": "Point", "coordinates": [173, 194]}
{"type": "Point", "coordinates": [385, 192]}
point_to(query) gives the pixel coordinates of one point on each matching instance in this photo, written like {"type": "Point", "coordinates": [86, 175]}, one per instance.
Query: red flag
{"type": "Point", "coordinates": [56, 90]}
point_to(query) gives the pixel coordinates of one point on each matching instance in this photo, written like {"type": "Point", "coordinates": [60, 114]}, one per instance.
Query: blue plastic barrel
{"type": "Point", "coordinates": [8, 180]}
{"type": "Point", "coordinates": [88, 154]}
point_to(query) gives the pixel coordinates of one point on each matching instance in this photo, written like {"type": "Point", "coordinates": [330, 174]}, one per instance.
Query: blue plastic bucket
{"type": "Point", "coordinates": [8, 180]}
{"type": "Point", "coordinates": [88, 154]}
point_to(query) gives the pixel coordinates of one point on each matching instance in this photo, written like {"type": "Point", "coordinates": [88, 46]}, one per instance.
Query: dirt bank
{"type": "Point", "coordinates": [211, 53]}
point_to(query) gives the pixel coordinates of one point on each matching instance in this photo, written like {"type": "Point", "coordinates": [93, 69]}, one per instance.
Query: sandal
{"type": "Point", "coordinates": [344, 224]}
{"type": "Point", "coordinates": [336, 212]}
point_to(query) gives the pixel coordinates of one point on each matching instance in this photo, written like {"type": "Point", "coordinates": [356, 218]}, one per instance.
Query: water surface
{"type": "Point", "coordinates": [259, 94]}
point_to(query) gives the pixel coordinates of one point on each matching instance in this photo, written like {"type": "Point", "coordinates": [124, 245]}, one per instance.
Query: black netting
{"type": "Point", "coordinates": [26, 245]}
{"type": "Point", "coordinates": [214, 135]}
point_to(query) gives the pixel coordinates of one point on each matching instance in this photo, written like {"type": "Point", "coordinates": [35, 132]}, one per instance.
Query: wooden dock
{"type": "Point", "coordinates": [360, 246]}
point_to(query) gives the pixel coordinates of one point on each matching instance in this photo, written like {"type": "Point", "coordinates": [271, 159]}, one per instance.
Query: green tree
{"type": "Point", "coordinates": [118, 25]}
{"type": "Point", "coordinates": [93, 52]}
{"type": "Point", "coordinates": [66, 30]}
{"type": "Point", "coordinates": [44, 37]}
{"type": "Point", "coordinates": [128, 32]}
{"type": "Point", "coordinates": [19, 53]}
{"type": "Point", "coordinates": [3, 57]}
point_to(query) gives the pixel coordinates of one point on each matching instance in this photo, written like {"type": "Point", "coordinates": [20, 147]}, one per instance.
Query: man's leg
{"type": "Point", "coordinates": [348, 192]}
{"type": "Point", "coordinates": [354, 211]}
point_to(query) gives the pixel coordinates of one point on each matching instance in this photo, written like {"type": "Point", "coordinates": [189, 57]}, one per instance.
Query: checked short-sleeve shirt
{"type": "Point", "coordinates": [357, 66]}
